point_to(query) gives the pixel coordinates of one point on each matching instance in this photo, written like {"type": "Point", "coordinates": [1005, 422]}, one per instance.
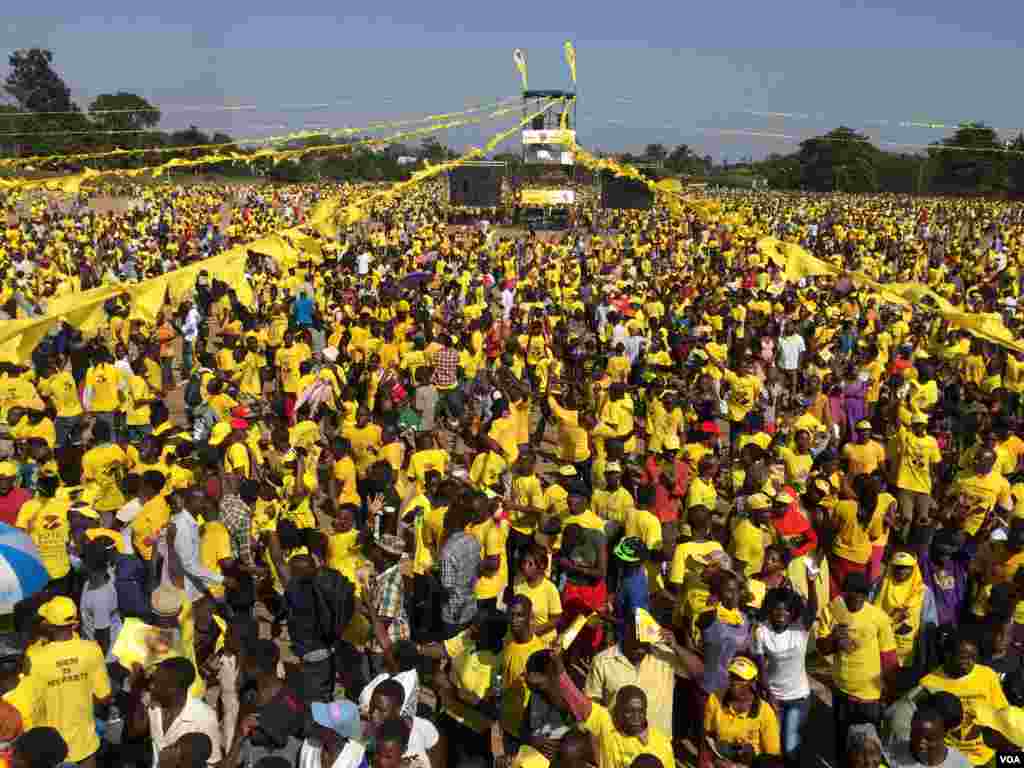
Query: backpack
{"type": "Point", "coordinates": [193, 391]}
{"type": "Point", "coordinates": [129, 583]}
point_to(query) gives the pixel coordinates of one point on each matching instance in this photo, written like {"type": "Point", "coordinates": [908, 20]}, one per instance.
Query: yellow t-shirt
{"type": "Point", "coordinates": [859, 672]}
{"type": "Point", "coordinates": [853, 540]}
{"type": "Point", "coordinates": [743, 392]}
{"type": "Point", "coordinates": [70, 674]}
{"type": "Point", "coordinates": [105, 381]}
{"type": "Point", "coordinates": [616, 750]}
{"type": "Point", "coordinates": [981, 493]}
{"type": "Point", "coordinates": [474, 671]}
{"type": "Point", "coordinates": [547, 604]}
{"type": "Point", "coordinates": [613, 505]}
{"type": "Point", "coordinates": [421, 462]}
{"type": "Point", "coordinates": [138, 389]}
{"type": "Point", "coordinates": [758, 729]}
{"type": "Point", "coordinates": [979, 686]}
{"type": "Point", "coordinates": [748, 544]}
{"type": "Point", "coordinates": [526, 491]}
{"type": "Point", "coordinates": [492, 535]}
{"type": "Point", "coordinates": [798, 466]}
{"type": "Point", "coordinates": [214, 546]}
{"type": "Point", "coordinates": [63, 393]}
{"type": "Point", "coordinates": [916, 456]}
{"type": "Point", "coordinates": [345, 474]}
{"type": "Point", "coordinates": [46, 521]}
{"type": "Point", "coordinates": [864, 458]}
{"type": "Point", "coordinates": [104, 465]}
{"type": "Point", "coordinates": [152, 518]}
{"type": "Point", "coordinates": [515, 697]}
{"type": "Point", "coordinates": [27, 698]}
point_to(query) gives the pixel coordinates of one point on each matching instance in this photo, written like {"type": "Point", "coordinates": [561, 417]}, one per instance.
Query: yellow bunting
{"type": "Point", "coordinates": [570, 58]}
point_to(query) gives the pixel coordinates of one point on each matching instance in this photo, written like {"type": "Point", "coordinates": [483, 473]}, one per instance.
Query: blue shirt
{"type": "Point", "coordinates": [303, 310]}
{"type": "Point", "coordinates": [632, 594]}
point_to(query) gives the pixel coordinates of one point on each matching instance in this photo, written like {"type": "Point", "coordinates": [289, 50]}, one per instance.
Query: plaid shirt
{"type": "Point", "coordinates": [237, 518]}
{"type": "Point", "coordinates": [460, 564]}
{"type": "Point", "coordinates": [388, 600]}
{"type": "Point", "coordinates": [446, 368]}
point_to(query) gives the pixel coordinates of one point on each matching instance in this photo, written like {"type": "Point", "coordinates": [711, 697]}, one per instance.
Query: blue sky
{"type": "Point", "coordinates": [669, 72]}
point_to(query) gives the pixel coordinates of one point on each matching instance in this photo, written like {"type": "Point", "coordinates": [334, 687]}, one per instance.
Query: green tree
{"type": "Point", "coordinates": [1017, 164]}
{"type": "Point", "coordinates": [55, 121]}
{"type": "Point", "coordinates": [433, 150]}
{"type": "Point", "coordinates": [123, 111]}
{"type": "Point", "coordinates": [841, 160]}
{"type": "Point", "coordinates": [971, 160]}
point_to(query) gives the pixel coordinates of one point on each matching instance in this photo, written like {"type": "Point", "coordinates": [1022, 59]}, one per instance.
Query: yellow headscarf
{"type": "Point", "coordinates": [908, 595]}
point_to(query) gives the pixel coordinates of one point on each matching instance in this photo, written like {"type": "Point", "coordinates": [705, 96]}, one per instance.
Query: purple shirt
{"type": "Point", "coordinates": [949, 589]}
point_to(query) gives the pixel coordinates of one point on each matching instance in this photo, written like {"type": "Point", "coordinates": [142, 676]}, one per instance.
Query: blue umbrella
{"type": "Point", "coordinates": [22, 572]}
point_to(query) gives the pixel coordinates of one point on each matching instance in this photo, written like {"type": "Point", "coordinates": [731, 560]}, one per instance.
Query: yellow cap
{"type": "Point", "coordinates": [758, 501]}
{"type": "Point", "coordinates": [59, 611]}
{"type": "Point", "coordinates": [903, 559]}
{"type": "Point", "coordinates": [219, 433]}
{"type": "Point", "coordinates": [920, 418]}
{"type": "Point", "coordinates": [613, 466]}
{"type": "Point", "coordinates": [162, 427]}
{"type": "Point", "coordinates": [863, 424]}
{"type": "Point", "coordinates": [567, 470]}
{"type": "Point", "coordinates": [743, 668]}
{"type": "Point", "coordinates": [8, 469]}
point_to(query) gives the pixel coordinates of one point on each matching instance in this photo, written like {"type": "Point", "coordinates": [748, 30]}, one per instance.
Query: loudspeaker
{"type": "Point", "coordinates": [476, 186]}
{"type": "Point", "coordinates": [619, 192]}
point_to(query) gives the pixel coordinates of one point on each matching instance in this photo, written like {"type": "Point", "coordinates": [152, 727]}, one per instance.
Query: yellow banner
{"type": "Point", "coordinates": [570, 59]}
{"type": "Point", "coordinates": [547, 197]}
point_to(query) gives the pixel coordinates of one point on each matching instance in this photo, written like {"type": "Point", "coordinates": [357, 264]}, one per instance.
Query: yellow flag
{"type": "Point", "coordinates": [520, 59]}
{"type": "Point", "coordinates": [570, 59]}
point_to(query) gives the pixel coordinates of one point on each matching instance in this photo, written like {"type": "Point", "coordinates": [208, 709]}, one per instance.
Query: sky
{"type": "Point", "coordinates": [730, 79]}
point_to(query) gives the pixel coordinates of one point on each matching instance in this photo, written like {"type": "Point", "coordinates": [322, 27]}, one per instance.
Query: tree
{"type": "Point", "coordinates": [1017, 164]}
{"type": "Point", "coordinates": [681, 159]}
{"type": "Point", "coordinates": [33, 83]}
{"type": "Point", "coordinates": [123, 111]}
{"type": "Point", "coordinates": [655, 152]}
{"type": "Point", "coordinates": [841, 160]}
{"type": "Point", "coordinates": [188, 137]}
{"type": "Point", "coordinates": [971, 160]}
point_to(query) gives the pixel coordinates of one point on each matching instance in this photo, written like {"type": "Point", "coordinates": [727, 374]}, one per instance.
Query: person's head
{"type": "Point", "coordinates": [901, 567]}
{"type": "Point", "coordinates": [726, 586]}
{"type": "Point", "coordinates": [630, 711]}
{"type": "Point", "coordinates": [855, 591]}
{"type": "Point", "coordinates": [574, 750]}
{"type": "Point", "coordinates": [345, 518]}
{"type": "Point", "coordinates": [928, 736]}
{"type": "Point", "coordinates": [520, 618]}
{"type": "Point", "coordinates": [40, 747]}
{"type": "Point", "coordinates": [803, 440]}
{"type": "Point", "coordinates": [742, 678]}
{"type": "Point", "coordinates": [151, 484]}
{"type": "Point", "coordinates": [534, 564]}
{"type": "Point", "coordinates": [863, 747]}
{"type": "Point", "coordinates": [390, 743]}
{"type": "Point", "coordinates": [945, 545]}
{"type": "Point", "coordinates": [539, 669]}
{"type": "Point", "coordinates": [192, 750]}
{"type": "Point", "coordinates": [241, 631]}
{"type": "Point", "coordinates": [985, 461]}
{"type": "Point", "coordinates": [386, 702]}
{"type": "Point", "coordinates": [774, 559]}
{"type": "Point", "coordinates": [962, 654]}
{"type": "Point", "coordinates": [781, 607]}
{"type": "Point", "coordinates": [700, 520]}
{"type": "Point", "coordinates": [101, 432]}
{"type": "Point", "coordinates": [260, 658]}
{"type": "Point", "coordinates": [171, 680]}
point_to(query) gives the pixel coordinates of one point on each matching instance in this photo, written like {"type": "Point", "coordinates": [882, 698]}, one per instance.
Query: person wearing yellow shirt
{"type": "Point", "coordinates": [492, 533]}
{"type": "Point", "coordinates": [61, 391]}
{"type": "Point", "coordinates": [977, 687]}
{"type": "Point", "coordinates": [863, 455]}
{"type": "Point", "coordinates": [139, 398]}
{"type": "Point", "coordinates": [520, 644]}
{"type": "Point", "coordinates": [573, 440]}
{"type": "Point", "coordinates": [45, 519]}
{"type": "Point", "coordinates": [623, 733]}
{"type": "Point", "coordinates": [744, 390]}
{"type": "Point", "coordinates": [701, 491]}
{"type": "Point", "coordinates": [153, 517]}
{"type": "Point", "coordinates": [751, 535]}
{"type": "Point", "coordinates": [979, 493]}
{"type": "Point", "coordinates": [614, 502]}
{"type": "Point", "coordinates": [544, 596]}
{"type": "Point", "coordinates": [428, 456]}
{"type": "Point", "coordinates": [737, 721]}
{"type": "Point", "coordinates": [863, 647]}
{"type": "Point", "coordinates": [103, 390]}
{"type": "Point", "coordinates": [343, 479]}
{"type": "Point", "coordinates": [366, 438]}
{"type": "Point", "coordinates": [917, 453]}
{"type": "Point", "coordinates": [71, 673]}
{"type": "Point", "coordinates": [103, 466]}
{"type": "Point", "coordinates": [798, 459]}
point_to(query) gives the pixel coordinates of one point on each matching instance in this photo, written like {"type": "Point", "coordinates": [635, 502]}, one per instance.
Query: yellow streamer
{"type": "Point", "coordinates": [570, 59]}
{"type": "Point", "coordinates": [280, 139]}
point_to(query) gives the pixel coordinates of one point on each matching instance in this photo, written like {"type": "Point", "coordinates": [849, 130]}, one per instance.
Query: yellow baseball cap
{"type": "Point", "coordinates": [903, 559]}
{"type": "Point", "coordinates": [567, 470]}
{"type": "Point", "coordinates": [863, 424]}
{"type": "Point", "coordinates": [219, 433]}
{"type": "Point", "coordinates": [613, 466]}
{"type": "Point", "coordinates": [8, 469]}
{"type": "Point", "coordinates": [743, 668]}
{"type": "Point", "coordinates": [59, 611]}
{"type": "Point", "coordinates": [920, 418]}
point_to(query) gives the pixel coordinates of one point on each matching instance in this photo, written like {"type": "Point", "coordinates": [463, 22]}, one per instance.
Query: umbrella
{"type": "Point", "coordinates": [22, 572]}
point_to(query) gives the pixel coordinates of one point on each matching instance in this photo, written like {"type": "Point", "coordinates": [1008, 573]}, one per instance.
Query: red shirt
{"type": "Point", "coordinates": [10, 505]}
{"type": "Point", "coordinates": [794, 524]}
{"type": "Point", "coordinates": [666, 499]}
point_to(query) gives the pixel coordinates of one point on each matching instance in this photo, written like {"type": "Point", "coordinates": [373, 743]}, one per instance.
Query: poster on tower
{"type": "Point", "coordinates": [552, 146]}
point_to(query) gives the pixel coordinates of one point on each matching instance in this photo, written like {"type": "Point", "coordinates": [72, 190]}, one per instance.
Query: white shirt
{"type": "Point", "coordinates": [196, 717]}
{"type": "Point", "coordinates": [351, 755]}
{"type": "Point", "coordinates": [363, 263]}
{"type": "Point", "coordinates": [790, 349]}
{"type": "Point", "coordinates": [508, 301]}
{"type": "Point", "coordinates": [785, 656]}
{"type": "Point", "coordinates": [190, 328]}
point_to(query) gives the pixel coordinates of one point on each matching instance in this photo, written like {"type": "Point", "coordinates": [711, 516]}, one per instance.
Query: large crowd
{"type": "Point", "coordinates": [620, 495]}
